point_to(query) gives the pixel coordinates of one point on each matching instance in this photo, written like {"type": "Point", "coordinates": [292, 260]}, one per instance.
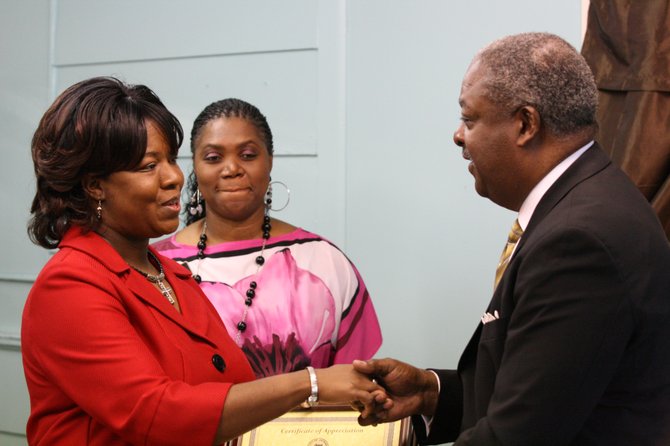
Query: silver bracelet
{"type": "Point", "coordinates": [313, 399]}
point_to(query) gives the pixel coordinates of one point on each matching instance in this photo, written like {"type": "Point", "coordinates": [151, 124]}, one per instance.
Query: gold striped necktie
{"type": "Point", "coordinates": [512, 239]}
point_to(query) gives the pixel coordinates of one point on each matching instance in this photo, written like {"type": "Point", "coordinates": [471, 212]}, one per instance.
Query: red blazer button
{"type": "Point", "coordinates": [218, 362]}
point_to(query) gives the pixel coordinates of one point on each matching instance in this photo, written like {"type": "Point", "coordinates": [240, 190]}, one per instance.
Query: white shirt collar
{"type": "Point", "coordinates": [535, 195]}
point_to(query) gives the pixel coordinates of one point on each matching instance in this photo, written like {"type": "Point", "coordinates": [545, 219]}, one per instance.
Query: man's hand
{"type": "Point", "coordinates": [411, 390]}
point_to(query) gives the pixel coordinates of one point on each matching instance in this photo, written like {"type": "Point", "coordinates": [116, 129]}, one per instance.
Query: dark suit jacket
{"type": "Point", "coordinates": [581, 352]}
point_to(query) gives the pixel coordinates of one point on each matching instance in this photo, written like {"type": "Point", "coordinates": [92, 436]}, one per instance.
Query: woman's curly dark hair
{"type": "Point", "coordinates": [93, 129]}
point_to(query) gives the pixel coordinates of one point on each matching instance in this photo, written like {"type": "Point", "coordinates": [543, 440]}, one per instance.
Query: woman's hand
{"type": "Point", "coordinates": [342, 384]}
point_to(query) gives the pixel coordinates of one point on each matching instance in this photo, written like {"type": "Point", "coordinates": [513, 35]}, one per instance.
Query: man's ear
{"type": "Point", "coordinates": [529, 124]}
{"type": "Point", "coordinates": [92, 187]}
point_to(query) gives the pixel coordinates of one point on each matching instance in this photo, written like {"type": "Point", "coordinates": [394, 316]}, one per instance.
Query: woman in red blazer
{"type": "Point", "coordinates": [119, 344]}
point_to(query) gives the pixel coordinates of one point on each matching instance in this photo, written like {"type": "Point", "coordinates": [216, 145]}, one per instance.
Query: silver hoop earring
{"type": "Point", "coordinates": [195, 204]}
{"type": "Point", "coordinates": [269, 196]}
{"type": "Point", "coordinates": [98, 210]}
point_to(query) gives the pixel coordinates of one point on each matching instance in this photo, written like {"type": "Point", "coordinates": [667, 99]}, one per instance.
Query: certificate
{"type": "Point", "coordinates": [327, 426]}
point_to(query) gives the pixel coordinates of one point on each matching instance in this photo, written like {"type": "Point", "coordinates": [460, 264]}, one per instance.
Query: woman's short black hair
{"type": "Point", "coordinates": [94, 128]}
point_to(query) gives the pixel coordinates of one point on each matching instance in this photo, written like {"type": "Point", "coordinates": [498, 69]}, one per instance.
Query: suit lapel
{"type": "Point", "coordinates": [590, 163]}
{"type": "Point", "coordinates": [470, 352]}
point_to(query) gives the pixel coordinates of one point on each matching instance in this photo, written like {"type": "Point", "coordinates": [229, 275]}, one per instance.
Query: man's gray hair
{"type": "Point", "coordinates": [546, 72]}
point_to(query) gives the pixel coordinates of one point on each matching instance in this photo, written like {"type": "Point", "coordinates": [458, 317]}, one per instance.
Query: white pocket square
{"type": "Point", "coordinates": [488, 317]}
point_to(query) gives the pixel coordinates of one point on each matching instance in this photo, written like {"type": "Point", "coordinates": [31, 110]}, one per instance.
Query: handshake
{"type": "Point", "coordinates": [382, 390]}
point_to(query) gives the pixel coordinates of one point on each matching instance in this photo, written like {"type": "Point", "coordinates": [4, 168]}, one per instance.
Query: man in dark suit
{"type": "Point", "coordinates": [574, 347]}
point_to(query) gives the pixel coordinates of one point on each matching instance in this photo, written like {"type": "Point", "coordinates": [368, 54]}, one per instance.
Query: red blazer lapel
{"type": "Point", "coordinates": [193, 317]}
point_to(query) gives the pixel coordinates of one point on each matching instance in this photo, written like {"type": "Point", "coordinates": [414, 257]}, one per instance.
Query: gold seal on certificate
{"type": "Point", "coordinates": [327, 426]}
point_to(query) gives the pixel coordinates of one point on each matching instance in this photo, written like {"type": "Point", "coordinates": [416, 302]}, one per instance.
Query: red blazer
{"type": "Point", "coordinates": [109, 361]}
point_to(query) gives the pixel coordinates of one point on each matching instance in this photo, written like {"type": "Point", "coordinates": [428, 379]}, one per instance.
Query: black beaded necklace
{"type": "Point", "coordinates": [260, 260]}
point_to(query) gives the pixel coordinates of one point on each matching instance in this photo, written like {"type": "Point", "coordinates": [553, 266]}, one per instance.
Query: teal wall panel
{"type": "Point", "coordinates": [126, 30]}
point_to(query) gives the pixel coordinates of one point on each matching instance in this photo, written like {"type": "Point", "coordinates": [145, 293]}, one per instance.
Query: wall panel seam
{"type": "Point", "coordinates": [17, 278]}
{"type": "Point", "coordinates": [186, 57]}
{"type": "Point", "coordinates": [10, 341]}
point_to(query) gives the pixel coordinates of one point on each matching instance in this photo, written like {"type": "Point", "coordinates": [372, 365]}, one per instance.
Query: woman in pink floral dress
{"type": "Point", "coordinates": [287, 296]}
